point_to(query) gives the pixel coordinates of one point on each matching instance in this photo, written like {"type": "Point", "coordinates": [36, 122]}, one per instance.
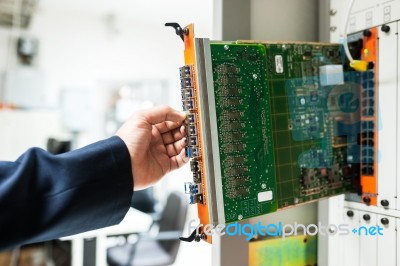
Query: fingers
{"type": "Point", "coordinates": [161, 114]}
{"type": "Point", "coordinates": [167, 126]}
{"type": "Point", "coordinates": [175, 148]}
{"type": "Point", "coordinates": [173, 135]}
{"type": "Point", "coordinates": [178, 160]}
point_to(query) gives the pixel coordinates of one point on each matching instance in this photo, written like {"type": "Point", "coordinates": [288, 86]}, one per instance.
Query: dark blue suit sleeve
{"type": "Point", "coordinates": [45, 196]}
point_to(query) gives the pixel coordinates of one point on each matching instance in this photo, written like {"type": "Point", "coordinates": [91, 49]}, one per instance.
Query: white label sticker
{"type": "Point", "coordinates": [278, 64]}
{"type": "Point", "coordinates": [265, 196]}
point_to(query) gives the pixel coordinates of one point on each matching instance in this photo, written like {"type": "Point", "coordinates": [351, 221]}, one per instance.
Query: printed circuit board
{"type": "Point", "coordinates": [270, 125]}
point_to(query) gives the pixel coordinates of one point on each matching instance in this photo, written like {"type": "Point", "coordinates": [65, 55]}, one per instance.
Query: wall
{"type": "Point", "coordinates": [82, 47]}
{"type": "Point", "coordinates": [286, 20]}
{"type": "Point", "coordinates": [4, 45]}
{"type": "Point", "coordinates": [78, 48]}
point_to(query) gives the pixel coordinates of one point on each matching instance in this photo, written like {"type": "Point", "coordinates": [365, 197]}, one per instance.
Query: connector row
{"type": "Point", "coordinates": [367, 148]}
{"type": "Point", "coordinates": [367, 96]}
{"type": "Point", "coordinates": [187, 77]}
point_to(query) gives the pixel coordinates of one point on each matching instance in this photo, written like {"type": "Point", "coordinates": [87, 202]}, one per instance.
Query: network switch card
{"type": "Point", "coordinates": [269, 125]}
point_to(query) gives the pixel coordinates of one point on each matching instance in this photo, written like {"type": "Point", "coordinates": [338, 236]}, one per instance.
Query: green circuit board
{"type": "Point", "coordinates": [285, 136]}
{"type": "Point", "coordinates": [244, 129]}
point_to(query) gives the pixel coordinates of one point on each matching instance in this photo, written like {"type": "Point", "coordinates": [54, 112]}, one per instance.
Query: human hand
{"type": "Point", "coordinates": [155, 139]}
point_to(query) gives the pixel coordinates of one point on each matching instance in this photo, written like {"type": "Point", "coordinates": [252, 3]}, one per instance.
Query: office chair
{"type": "Point", "coordinates": [144, 201]}
{"type": "Point", "coordinates": [155, 250]}
{"type": "Point", "coordinates": [56, 146]}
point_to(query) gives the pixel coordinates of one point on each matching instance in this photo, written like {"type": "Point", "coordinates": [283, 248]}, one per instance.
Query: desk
{"type": "Point", "coordinates": [134, 221]}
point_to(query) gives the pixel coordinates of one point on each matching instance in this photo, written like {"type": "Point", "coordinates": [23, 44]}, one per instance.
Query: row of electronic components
{"type": "Point", "coordinates": [367, 148]}
{"type": "Point", "coordinates": [194, 189]}
{"type": "Point", "coordinates": [189, 106]}
{"type": "Point", "coordinates": [367, 127]}
{"type": "Point", "coordinates": [368, 93]}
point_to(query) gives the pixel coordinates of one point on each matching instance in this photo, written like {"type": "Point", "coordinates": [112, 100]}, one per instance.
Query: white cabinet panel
{"type": "Point", "coordinates": [398, 242]}
{"type": "Point", "coordinates": [398, 119]}
{"type": "Point", "coordinates": [387, 107]}
{"type": "Point", "coordinates": [367, 241]}
{"type": "Point", "coordinates": [386, 248]}
{"type": "Point", "coordinates": [350, 242]}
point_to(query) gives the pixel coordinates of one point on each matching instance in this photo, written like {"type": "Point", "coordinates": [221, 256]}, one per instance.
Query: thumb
{"type": "Point", "coordinates": [161, 114]}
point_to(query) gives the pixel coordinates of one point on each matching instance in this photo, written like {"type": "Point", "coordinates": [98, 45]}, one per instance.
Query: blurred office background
{"type": "Point", "coordinates": [72, 71]}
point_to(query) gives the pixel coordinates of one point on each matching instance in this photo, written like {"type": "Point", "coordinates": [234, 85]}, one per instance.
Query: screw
{"type": "Point", "coordinates": [333, 28]}
{"type": "Point", "coordinates": [350, 213]}
{"type": "Point", "coordinates": [385, 28]}
{"type": "Point", "coordinates": [366, 217]}
{"type": "Point", "coordinates": [367, 33]}
{"type": "Point", "coordinates": [370, 65]}
{"type": "Point", "coordinates": [385, 221]}
{"type": "Point", "coordinates": [385, 203]}
{"type": "Point", "coordinates": [367, 200]}
{"type": "Point", "coordinates": [226, 47]}
{"type": "Point", "coordinates": [332, 229]}
{"type": "Point", "coordinates": [263, 186]}
{"type": "Point", "coordinates": [332, 12]}
{"type": "Point", "coordinates": [255, 76]}
{"type": "Point", "coordinates": [240, 217]}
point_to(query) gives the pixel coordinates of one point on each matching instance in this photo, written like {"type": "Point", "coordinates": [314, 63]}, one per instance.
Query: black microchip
{"type": "Point", "coordinates": [313, 97]}
{"type": "Point", "coordinates": [307, 53]}
{"type": "Point", "coordinates": [297, 120]}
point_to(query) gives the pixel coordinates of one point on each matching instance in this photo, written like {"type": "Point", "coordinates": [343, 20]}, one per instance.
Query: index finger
{"type": "Point", "coordinates": [160, 114]}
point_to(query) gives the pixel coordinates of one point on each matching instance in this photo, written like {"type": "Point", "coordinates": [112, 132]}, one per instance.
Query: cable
{"type": "Point", "coordinates": [346, 45]}
{"type": "Point", "coordinates": [357, 65]}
